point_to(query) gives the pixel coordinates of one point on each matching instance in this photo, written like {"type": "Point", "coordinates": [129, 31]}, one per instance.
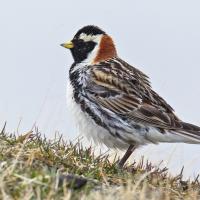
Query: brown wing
{"type": "Point", "coordinates": [126, 91]}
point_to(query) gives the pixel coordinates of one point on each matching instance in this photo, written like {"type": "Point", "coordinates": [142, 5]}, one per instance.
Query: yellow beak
{"type": "Point", "coordinates": [68, 45]}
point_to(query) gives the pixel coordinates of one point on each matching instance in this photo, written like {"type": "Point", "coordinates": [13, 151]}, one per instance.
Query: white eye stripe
{"type": "Point", "coordinates": [87, 38]}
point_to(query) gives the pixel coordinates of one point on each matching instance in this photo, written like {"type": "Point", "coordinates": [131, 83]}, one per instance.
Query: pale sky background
{"type": "Point", "coordinates": [162, 38]}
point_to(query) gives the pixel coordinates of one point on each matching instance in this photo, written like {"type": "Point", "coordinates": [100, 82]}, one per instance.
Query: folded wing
{"type": "Point", "coordinates": [126, 91]}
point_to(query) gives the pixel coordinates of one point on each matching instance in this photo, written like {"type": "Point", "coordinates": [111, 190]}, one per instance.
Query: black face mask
{"type": "Point", "coordinates": [81, 49]}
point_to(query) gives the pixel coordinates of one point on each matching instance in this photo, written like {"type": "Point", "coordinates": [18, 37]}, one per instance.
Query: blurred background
{"type": "Point", "coordinates": [160, 38]}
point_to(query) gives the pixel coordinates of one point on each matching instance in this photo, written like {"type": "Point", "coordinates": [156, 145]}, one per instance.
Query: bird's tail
{"type": "Point", "coordinates": [190, 132]}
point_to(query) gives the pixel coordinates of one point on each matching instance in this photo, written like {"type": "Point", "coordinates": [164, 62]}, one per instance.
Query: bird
{"type": "Point", "coordinates": [114, 102]}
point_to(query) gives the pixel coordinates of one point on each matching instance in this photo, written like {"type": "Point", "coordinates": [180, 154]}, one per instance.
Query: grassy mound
{"type": "Point", "coordinates": [32, 167]}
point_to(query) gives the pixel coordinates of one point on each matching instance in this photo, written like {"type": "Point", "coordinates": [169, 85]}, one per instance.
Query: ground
{"type": "Point", "coordinates": [33, 167]}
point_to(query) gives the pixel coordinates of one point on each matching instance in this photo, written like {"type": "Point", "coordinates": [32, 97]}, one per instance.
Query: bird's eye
{"type": "Point", "coordinates": [80, 41]}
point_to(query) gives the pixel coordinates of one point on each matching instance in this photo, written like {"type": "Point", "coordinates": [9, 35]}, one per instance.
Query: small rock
{"type": "Point", "coordinates": [73, 181]}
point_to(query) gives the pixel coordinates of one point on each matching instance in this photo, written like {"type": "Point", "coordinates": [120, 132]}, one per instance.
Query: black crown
{"type": "Point", "coordinates": [90, 30]}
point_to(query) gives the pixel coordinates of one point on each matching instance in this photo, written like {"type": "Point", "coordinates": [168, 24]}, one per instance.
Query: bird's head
{"type": "Point", "coordinates": [91, 45]}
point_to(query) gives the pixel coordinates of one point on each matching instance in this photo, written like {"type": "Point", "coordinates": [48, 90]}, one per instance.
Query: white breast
{"type": "Point", "coordinates": [88, 127]}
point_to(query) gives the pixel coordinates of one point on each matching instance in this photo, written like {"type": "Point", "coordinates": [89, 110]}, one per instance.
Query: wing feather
{"type": "Point", "coordinates": [126, 91]}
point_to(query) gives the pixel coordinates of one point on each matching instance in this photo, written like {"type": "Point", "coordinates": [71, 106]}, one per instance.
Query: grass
{"type": "Point", "coordinates": [33, 167]}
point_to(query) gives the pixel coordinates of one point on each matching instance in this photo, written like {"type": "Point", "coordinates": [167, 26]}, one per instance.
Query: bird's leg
{"type": "Point", "coordinates": [126, 156]}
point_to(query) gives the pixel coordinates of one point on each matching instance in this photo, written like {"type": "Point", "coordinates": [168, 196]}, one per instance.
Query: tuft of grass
{"type": "Point", "coordinates": [33, 167]}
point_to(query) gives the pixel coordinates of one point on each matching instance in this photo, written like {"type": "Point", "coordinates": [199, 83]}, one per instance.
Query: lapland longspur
{"type": "Point", "coordinates": [115, 101]}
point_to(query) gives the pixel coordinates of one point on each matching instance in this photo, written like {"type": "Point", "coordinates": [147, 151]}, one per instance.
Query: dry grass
{"type": "Point", "coordinates": [32, 167]}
